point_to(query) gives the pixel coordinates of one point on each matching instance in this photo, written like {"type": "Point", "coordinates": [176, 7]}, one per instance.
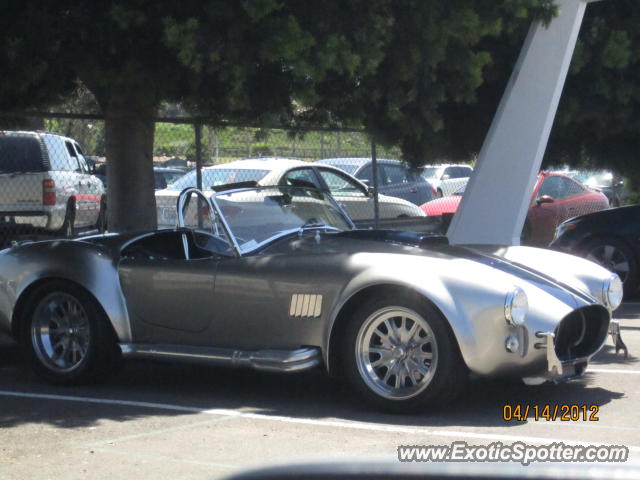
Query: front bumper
{"type": "Point", "coordinates": [49, 219]}
{"type": "Point", "coordinates": [556, 370]}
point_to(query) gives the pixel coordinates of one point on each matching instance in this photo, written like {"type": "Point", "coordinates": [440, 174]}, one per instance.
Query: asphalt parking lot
{"type": "Point", "coordinates": [180, 421]}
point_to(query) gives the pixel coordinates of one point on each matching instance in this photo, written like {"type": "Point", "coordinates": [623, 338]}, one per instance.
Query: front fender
{"type": "Point", "coordinates": [471, 296]}
{"type": "Point", "coordinates": [89, 265]}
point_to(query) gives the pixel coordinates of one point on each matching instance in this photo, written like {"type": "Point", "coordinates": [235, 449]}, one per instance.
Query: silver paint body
{"type": "Point", "coordinates": [289, 295]}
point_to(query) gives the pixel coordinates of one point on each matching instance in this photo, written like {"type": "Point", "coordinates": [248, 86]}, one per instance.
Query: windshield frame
{"type": "Point", "coordinates": [217, 214]}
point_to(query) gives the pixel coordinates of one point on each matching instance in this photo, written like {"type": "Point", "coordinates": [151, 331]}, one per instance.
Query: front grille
{"type": "Point", "coordinates": [581, 333]}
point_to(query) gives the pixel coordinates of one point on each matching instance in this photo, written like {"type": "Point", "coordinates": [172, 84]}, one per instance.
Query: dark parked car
{"type": "Point", "coordinates": [394, 178]}
{"type": "Point", "coordinates": [610, 238]}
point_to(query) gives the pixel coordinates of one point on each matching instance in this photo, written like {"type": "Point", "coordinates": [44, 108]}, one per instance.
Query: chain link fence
{"type": "Point", "coordinates": [54, 184]}
{"type": "Point", "coordinates": [54, 180]}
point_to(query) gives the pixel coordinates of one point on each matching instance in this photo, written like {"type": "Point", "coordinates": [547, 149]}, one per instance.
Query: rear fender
{"type": "Point", "coordinates": [88, 265]}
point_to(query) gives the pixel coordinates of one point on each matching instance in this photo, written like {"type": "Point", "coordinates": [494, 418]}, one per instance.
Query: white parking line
{"type": "Point", "coordinates": [309, 421]}
{"type": "Point", "coordinates": [609, 370]}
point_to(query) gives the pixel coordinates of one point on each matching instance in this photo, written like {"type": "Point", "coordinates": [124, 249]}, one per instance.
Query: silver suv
{"type": "Point", "coordinates": [45, 183]}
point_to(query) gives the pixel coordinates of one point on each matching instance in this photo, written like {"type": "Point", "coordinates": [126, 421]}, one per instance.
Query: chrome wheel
{"type": "Point", "coordinates": [612, 259]}
{"type": "Point", "coordinates": [396, 353]}
{"type": "Point", "coordinates": [60, 332]}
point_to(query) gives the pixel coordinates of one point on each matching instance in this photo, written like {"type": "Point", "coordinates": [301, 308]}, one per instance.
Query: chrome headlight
{"type": "Point", "coordinates": [612, 292]}
{"type": "Point", "coordinates": [516, 307]}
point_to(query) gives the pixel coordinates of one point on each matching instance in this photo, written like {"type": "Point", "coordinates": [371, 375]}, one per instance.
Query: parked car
{"type": "Point", "coordinates": [45, 184]}
{"type": "Point", "coordinates": [603, 180]}
{"type": "Point", "coordinates": [166, 176]}
{"type": "Point", "coordinates": [610, 237]}
{"type": "Point", "coordinates": [351, 194]}
{"type": "Point", "coordinates": [163, 176]}
{"type": "Point", "coordinates": [278, 280]}
{"type": "Point", "coordinates": [447, 178]}
{"type": "Point", "coordinates": [394, 178]}
{"type": "Point", "coordinates": [555, 198]}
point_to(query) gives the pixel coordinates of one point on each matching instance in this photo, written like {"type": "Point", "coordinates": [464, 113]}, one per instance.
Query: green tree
{"type": "Point", "coordinates": [598, 121]}
{"type": "Point", "coordinates": [386, 64]}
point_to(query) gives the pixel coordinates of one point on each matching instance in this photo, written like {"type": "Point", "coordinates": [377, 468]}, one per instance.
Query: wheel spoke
{"type": "Point", "coordinates": [392, 329]}
{"type": "Point", "coordinates": [622, 266]}
{"type": "Point", "coordinates": [423, 355]}
{"type": "Point", "coordinates": [412, 331]}
{"type": "Point", "coordinates": [608, 253]}
{"type": "Point", "coordinates": [420, 367]}
{"type": "Point", "coordinates": [384, 338]}
{"type": "Point", "coordinates": [410, 374]}
{"type": "Point", "coordinates": [399, 378]}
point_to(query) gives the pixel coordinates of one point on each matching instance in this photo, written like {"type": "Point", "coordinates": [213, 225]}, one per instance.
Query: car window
{"type": "Point", "coordinates": [556, 187]}
{"type": "Point", "coordinates": [340, 184]}
{"type": "Point", "coordinates": [573, 188]}
{"type": "Point", "coordinates": [450, 172]}
{"type": "Point", "coordinates": [365, 174]}
{"type": "Point", "coordinates": [396, 174]}
{"type": "Point", "coordinates": [300, 177]}
{"type": "Point", "coordinates": [20, 154]}
{"type": "Point", "coordinates": [75, 164]}
{"type": "Point", "coordinates": [460, 172]}
{"type": "Point", "coordinates": [431, 173]}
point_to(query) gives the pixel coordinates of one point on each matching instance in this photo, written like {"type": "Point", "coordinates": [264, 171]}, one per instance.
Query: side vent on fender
{"type": "Point", "coordinates": [305, 305]}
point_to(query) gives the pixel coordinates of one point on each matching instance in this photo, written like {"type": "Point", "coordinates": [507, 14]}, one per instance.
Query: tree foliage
{"type": "Point", "coordinates": [598, 121]}
{"type": "Point", "coordinates": [405, 69]}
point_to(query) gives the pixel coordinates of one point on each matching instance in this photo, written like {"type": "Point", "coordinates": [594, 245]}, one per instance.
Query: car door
{"type": "Point", "coordinates": [86, 205]}
{"type": "Point", "coordinates": [398, 183]}
{"type": "Point", "coordinates": [93, 188]}
{"type": "Point", "coordinates": [351, 196]}
{"type": "Point", "coordinates": [548, 209]}
{"type": "Point", "coordinates": [170, 298]}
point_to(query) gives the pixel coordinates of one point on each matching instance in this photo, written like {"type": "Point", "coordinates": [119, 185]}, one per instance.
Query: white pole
{"type": "Point", "coordinates": [494, 206]}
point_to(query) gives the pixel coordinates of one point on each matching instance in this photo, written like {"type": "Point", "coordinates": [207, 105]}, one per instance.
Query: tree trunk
{"type": "Point", "coordinates": [129, 132]}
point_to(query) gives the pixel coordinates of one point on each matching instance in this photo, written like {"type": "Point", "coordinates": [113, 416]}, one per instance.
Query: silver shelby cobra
{"type": "Point", "coordinates": [277, 278]}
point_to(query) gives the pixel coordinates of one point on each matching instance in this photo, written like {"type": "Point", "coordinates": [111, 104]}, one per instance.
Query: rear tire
{"type": "Point", "coordinates": [69, 336]}
{"type": "Point", "coordinates": [68, 229]}
{"type": "Point", "coordinates": [408, 368]}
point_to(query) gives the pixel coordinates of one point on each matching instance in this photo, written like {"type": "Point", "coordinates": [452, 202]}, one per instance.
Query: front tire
{"type": "Point", "coordinates": [401, 356]}
{"type": "Point", "coordinates": [616, 257]}
{"type": "Point", "coordinates": [69, 336]}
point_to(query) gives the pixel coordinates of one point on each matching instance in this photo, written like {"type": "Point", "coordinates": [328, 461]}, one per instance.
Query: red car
{"type": "Point", "coordinates": [555, 198]}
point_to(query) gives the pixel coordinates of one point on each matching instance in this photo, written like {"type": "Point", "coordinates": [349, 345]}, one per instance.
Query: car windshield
{"type": "Point", "coordinates": [430, 172]}
{"type": "Point", "coordinates": [212, 177]}
{"type": "Point", "coordinates": [257, 215]}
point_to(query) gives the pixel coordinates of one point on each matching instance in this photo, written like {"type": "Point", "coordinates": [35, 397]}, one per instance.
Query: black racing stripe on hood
{"type": "Point", "coordinates": [440, 244]}
{"type": "Point", "coordinates": [519, 270]}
